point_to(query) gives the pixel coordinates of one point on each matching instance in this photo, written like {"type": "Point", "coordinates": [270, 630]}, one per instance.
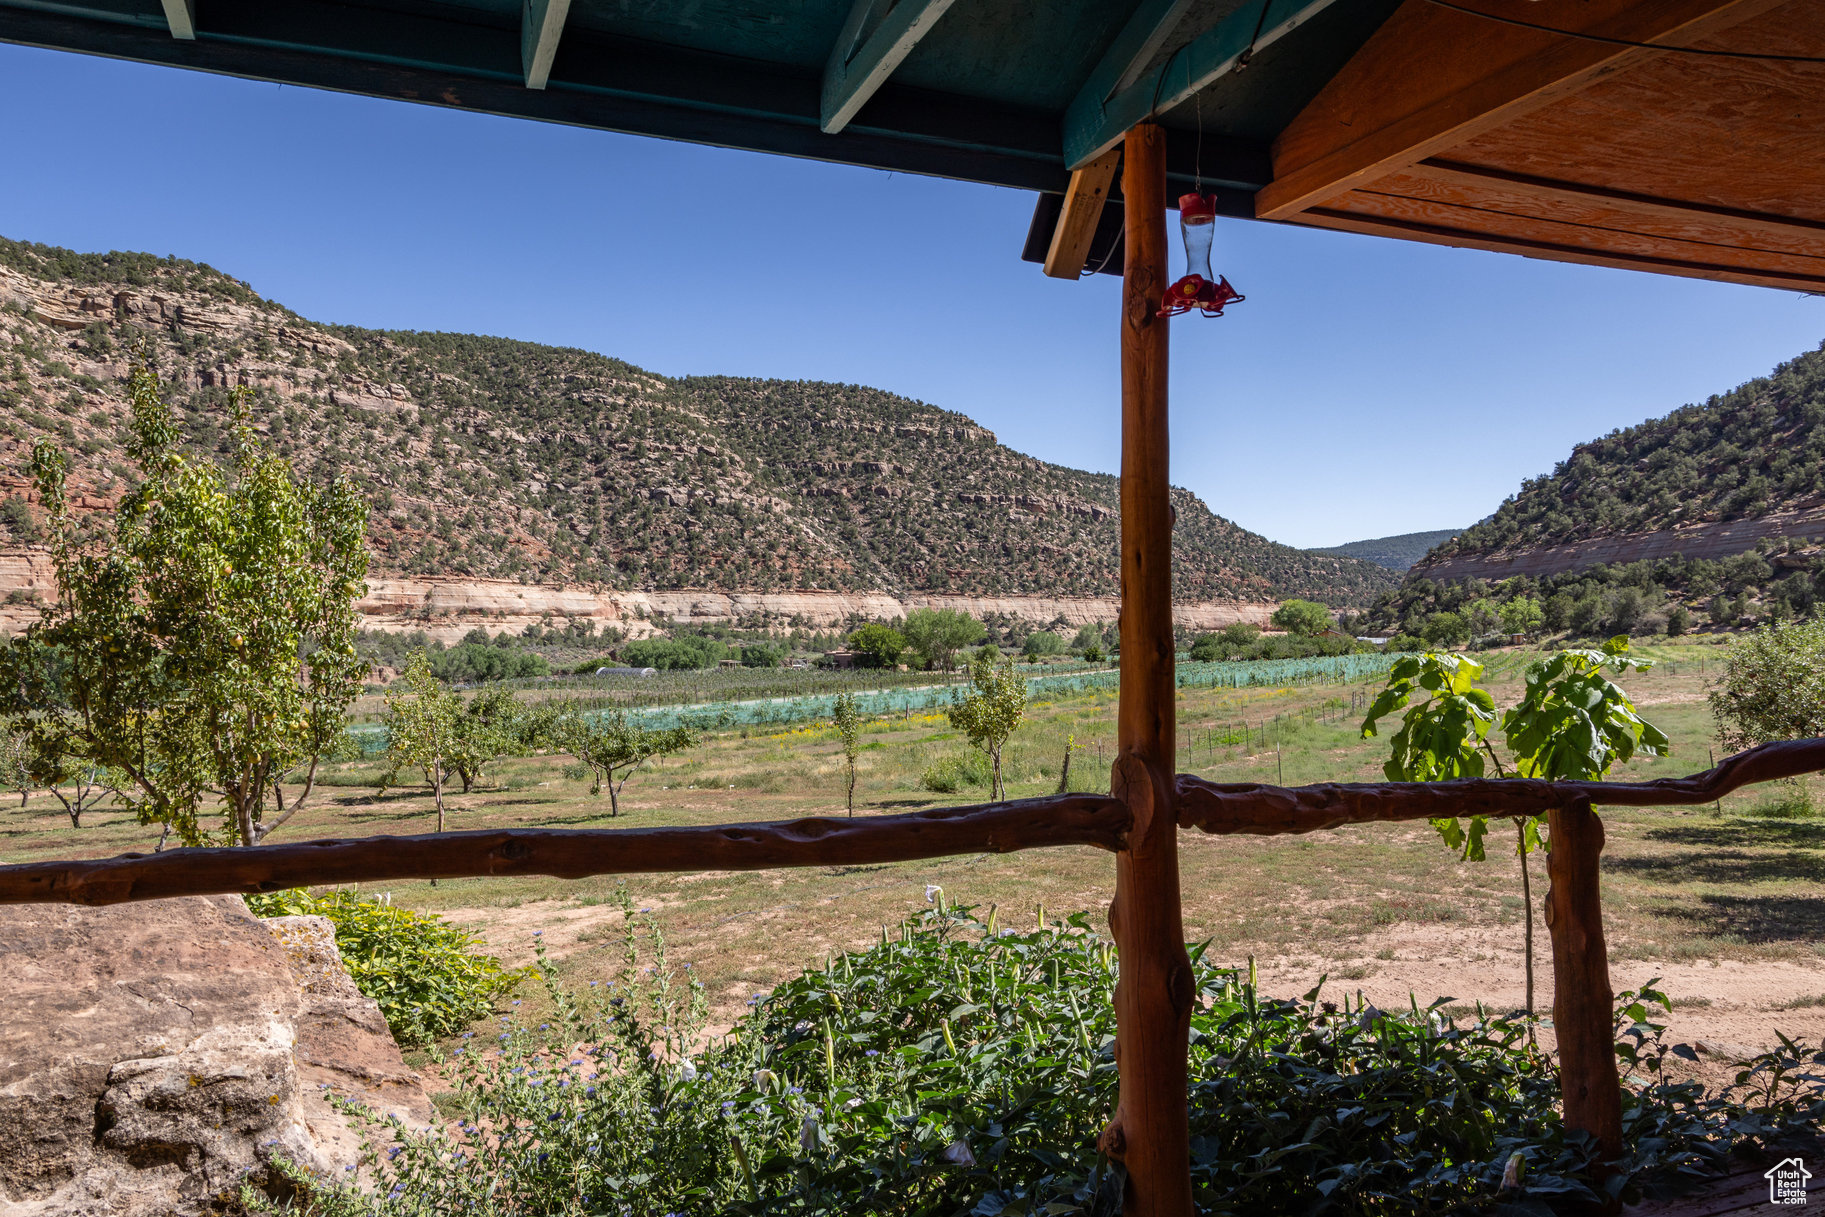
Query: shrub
{"type": "Point", "coordinates": [688, 652]}
{"type": "Point", "coordinates": [1303, 617]}
{"type": "Point", "coordinates": [424, 973]}
{"type": "Point", "coordinates": [967, 1068]}
{"type": "Point", "coordinates": [762, 655]}
{"type": "Point", "coordinates": [1773, 687]}
{"type": "Point", "coordinates": [1405, 642]}
{"type": "Point", "coordinates": [877, 646]}
{"type": "Point", "coordinates": [1041, 643]}
{"type": "Point", "coordinates": [955, 773]}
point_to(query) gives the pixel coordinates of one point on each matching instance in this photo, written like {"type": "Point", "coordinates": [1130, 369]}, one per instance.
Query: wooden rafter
{"type": "Point", "coordinates": [541, 25]}
{"type": "Point", "coordinates": [1078, 216]}
{"type": "Point", "coordinates": [858, 67]}
{"type": "Point", "coordinates": [1431, 78]}
{"type": "Point", "coordinates": [1104, 110]}
{"type": "Point", "coordinates": [180, 15]}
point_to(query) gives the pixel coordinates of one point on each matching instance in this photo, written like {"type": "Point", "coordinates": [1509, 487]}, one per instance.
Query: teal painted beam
{"type": "Point", "coordinates": [541, 25]}
{"type": "Point", "coordinates": [1104, 110]}
{"type": "Point", "coordinates": [857, 68]}
{"type": "Point", "coordinates": [180, 15]}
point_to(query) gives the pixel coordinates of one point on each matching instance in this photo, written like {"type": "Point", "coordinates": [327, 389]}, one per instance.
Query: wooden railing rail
{"type": "Point", "coordinates": [1217, 807]}
{"type": "Point", "coordinates": [1072, 819]}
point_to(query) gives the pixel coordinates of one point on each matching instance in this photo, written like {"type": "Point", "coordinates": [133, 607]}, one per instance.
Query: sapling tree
{"type": "Point", "coordinates": [491, 726]}
{"type": "Point", "coordinates": [992, 707]}
{"type": "Point", "coordinates": [16, 759]}
{"type": "Point", "coordinates": [614, 747]}
{"type": "Point", "coordinates": [848, 722]}
{"type": "Point", "coordinates": [206, 650]}
{"type": "Point", "coordinates": [421, 722]}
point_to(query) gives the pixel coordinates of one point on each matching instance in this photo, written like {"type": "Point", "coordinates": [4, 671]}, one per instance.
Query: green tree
{"type": "Point", "coordinates": [206, 650]}
{"type": "Point", "coordinates": [1306, 618]}
{"type": "Point", "coordinates": [762, 655]}
{"type": "Point", "coordinates": [490, 726]}
{"type": "Point", "coordinates": [614, 747]}
{"type": "Point", "coordinates": [1041, 643]}
{"type": "Point", "coordinates": [936, 635]}
{"type": "Point", "coordinates": [1522, 615]}
{"type": "Point", "coordinates": [1446, 630]}
{"type": "Point", "coordinates": [878, 645]}
{"type": "Point", "coordinates": [16, 759]}
{"type": "Point", "coordinates": [1089, 634]}
{"type": "Point", "coordinates": [1773, 686]}
{"type": "Point", "coordinates": [993, 705]}
{"type": "Point", "coordinates": [421, 721]}
{"type": "Point", "coordinates": [848, 722]}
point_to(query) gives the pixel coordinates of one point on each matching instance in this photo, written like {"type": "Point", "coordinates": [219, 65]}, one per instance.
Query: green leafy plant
{"type": "Point", "coordinates": [421, 721]}
{"type": "Point", "coordinates": [424, 973]}
{"type": "Point", "coordinates": [848, 722]}
{"type": "Point", "coordinates": [878, 646]}
{"type": "Point", "coordinates": [963, 1066]}
{"type": "Point", "coordinates": [952, 774]}
{"type": "Point", "coordinates": [490, 726]}
{"type": "Point", "coordinates": [1773, 686]}
{"type": "Point", "coordinates": [936, 635]}
{"type": "Point", "coordinates": [206, 651]}
{"type": "Point", "coordinates": [1303, 617]}
{"type": "Point", "coordinates": [992, 706]}
{"type": "Point", "coordinates": [1573, 722]}
{"type": "Point", "coordinates": [614, 747]}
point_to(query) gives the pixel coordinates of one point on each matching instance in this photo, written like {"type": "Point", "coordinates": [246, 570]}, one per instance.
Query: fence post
{"type": "Point", "coordinates": [1582, 998]}
{"type": "Point", "coordinates": [1149, 1133]}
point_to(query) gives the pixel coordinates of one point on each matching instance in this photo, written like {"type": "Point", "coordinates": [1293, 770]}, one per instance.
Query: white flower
{"type": "Point", "coordinates": [688, 1070]}
{"type": "Point", "coordinates": [763, 1079]}
{"type": "Point", "coordinates": [853, 1104]}
{"type": "Point", "coordinates": [1511, 1174]}
{"type": "Point", "coordinates": [958, 1152]}
{"type": "Point", "coordinates": [807, 1136]}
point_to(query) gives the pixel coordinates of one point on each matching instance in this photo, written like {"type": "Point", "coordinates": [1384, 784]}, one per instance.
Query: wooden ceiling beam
{"type": "Point", "coordinates": [1083, 207]}
{"type": "Point", "coordinates": [541, 25]}
{"type": "Point", "coordinates": [1556, 251]}
{"type": "Point", "coordinates": [858, 67]}
{"type": "Point", "coordinates": [180, 15]}
{"type": "Point", "coordinates": [1102, 111]}
{"type": "Point", "coordinates": [1747, 223]}
{"type": "Point", "coordinates": [1431, 78]}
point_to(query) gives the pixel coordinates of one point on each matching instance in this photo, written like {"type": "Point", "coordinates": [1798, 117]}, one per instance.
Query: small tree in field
{"type": "Point", "coordinates": [936, 635]}
{"type": "Point", "coordinates": [993, 705]}
{"type": "Point", "coordinates": [16, 760]}
{"type": "Point", "coordinates": [879, 645]}
{"type": "Point", "coordinates": [491, 726]}
{"type": "Point", "coordinates": [1305, 618]}
{"type": "Point", "coordinates": [1773, 686]}
{"type": "Point", "coordinates": [1522, 615]}
{"type": "Point", "coordinates": [421, 721]}
{"type": "Point", "coordinates": [848, 723]}
{"type": "Point", "coordinates": [207, 650]}
{"type": "Point", "coordinates": [614, 747]}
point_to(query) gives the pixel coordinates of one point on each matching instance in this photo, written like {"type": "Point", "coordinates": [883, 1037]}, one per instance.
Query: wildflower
{"type": "Point", "coordinates": [349, 1167]}
{"type": "Point", "coordinates": [590, 1092]}
{"type": "Point", "coordinates": [958, 1152]}
{"type": "Point", "coordinates": [516, 1001]}
{"type": "Point", "coordinates": [872, 1052]}
{"type": "Point", "coordinates": [1511, 1174]}
{"type": "Point", "coordinates": [688, 1070]}
{"type": "Point", "coordinates": [538, 933]}
{"type": "Point", "coordinates": [544, 1026]}
{"type": "Point", "coordinates": [807, 1135]}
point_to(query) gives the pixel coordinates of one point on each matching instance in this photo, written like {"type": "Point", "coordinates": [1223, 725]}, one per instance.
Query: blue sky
{"type": "Point", "coordinates": [1366, 387]}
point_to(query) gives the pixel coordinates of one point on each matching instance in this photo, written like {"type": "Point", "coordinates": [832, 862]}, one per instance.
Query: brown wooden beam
{"type": "Point", "coordinates": [1583, 1002]}
{"type": "Point", "coordinates": [1075, 819]}
{"type": "Point", "coordinates": [1431, 78]}
{"type": "Point", "coordinates": [1248, 807]}
{"type": "Point", "coordinates": [1556, 251]}
{"type": "Point", "coordinates": [1733, 219]}
{"type": "Point", "coordinates": [1150, 1131]}
{"type": "Point", "coordinates": [1083, 207]}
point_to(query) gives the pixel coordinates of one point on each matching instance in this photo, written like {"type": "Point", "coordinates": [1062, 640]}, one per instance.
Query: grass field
{"type": "Point", "coordinates": [1727, 904]}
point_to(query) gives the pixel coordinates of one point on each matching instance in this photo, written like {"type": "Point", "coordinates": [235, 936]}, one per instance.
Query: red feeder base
{"type": "Point", "coordinates": [1197, 292]}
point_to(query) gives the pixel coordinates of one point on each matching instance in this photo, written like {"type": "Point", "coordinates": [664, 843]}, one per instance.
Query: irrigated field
{"type": "Point", "coordinates": [1728, 905]}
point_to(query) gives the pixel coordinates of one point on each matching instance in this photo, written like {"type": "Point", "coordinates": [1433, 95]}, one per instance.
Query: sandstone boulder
{"type": "Point", "coordinates": [155, 1056]}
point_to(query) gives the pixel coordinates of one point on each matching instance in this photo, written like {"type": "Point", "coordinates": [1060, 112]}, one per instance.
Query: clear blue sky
{"type": "Point", "coordinates": [1366, 387]}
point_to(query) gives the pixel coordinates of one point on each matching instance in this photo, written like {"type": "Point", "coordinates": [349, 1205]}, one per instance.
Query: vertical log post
{"type": "Point", "coordinates": [1582, 999]}
{"type": "Point", "coordinates": [1149, 1133]}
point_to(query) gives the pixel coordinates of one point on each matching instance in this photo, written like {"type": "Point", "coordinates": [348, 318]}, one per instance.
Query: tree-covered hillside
{"type": "Point", "coordinates": [1395, 553]}
{"type": "Point", "coordinates": [1755, 450]}
{"type": "Point", "coordinates": [490, 457]}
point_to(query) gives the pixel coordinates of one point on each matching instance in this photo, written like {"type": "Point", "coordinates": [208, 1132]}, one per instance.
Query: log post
{"type": "Point", "coordinates": [1149, 1133]}
{"type": "Point", "coordinates": [1582, 1000]}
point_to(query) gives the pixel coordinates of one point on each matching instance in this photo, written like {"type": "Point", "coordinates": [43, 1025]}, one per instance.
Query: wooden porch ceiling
{"type": "Point", "coordinates": [1453, 129]}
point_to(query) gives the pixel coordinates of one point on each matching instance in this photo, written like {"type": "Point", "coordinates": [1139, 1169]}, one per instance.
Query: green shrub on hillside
{"type": "Point", "coordinates": [425, 974]}
{"type": "Point", "coordinates": [966, 1067]}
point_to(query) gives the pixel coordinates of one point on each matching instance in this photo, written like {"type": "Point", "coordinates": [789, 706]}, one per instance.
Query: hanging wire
{"type": "Point", "coordinates": [1769, 57]}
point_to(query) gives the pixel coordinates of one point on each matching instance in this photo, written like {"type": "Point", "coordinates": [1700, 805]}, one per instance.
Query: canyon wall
{"type": "Point", "coordinates": [1693, 541]}
{"type": "Point", "coordinates": [447, 607]}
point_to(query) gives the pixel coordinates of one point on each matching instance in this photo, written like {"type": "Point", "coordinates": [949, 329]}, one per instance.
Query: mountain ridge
{"type": "Point", "coordinates": [491, 458]}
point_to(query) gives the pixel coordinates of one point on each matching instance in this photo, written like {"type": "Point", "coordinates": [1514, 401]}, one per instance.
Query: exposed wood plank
{"type": "Point", "coordinates": [1075, 819]}
{"type": "Point", "coordinates": [541, 25]}
{"type": "Point", "coordinates": [1248, 807]}
{"type": "Point", "coordinates": [1751, 224]}
{"type": "Point", "coordinates": [1150, 1130]}
{"type": "Point", "coordinates": [1431, 78]}
{"type": "Point", "coordinates": [1096, 121]}
{"type": "Point", "coordinates": [855, 72]}
{"type": "Point", "coordinates": [1083, 207]}
{"type": "Point", "coordinates": [180, 15]}
{"type": "Point", "coordinates": [1587, 226]}
{"type": "Point", "coordinates": [1463, 238]}
{"type": "Point", "coordinates": [1582, 998]}
{"type": "Point", "coordinates": [1134, 47]}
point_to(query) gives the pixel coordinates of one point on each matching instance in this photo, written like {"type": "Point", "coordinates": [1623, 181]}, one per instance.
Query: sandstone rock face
{"type": "Point", "coordinates": [155, 1056]}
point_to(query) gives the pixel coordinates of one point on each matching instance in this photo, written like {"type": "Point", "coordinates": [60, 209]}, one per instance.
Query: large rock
{"type": "Point", "coordinates": [155, 1056]}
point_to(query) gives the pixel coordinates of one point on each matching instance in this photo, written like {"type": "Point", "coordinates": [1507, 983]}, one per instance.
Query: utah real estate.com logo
{"type": "Point", "coordinates": [1787, 1182]}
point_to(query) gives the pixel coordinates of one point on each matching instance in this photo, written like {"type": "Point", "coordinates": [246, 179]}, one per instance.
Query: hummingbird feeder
{"type": "Point", "coordinates": [1200, 289]}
